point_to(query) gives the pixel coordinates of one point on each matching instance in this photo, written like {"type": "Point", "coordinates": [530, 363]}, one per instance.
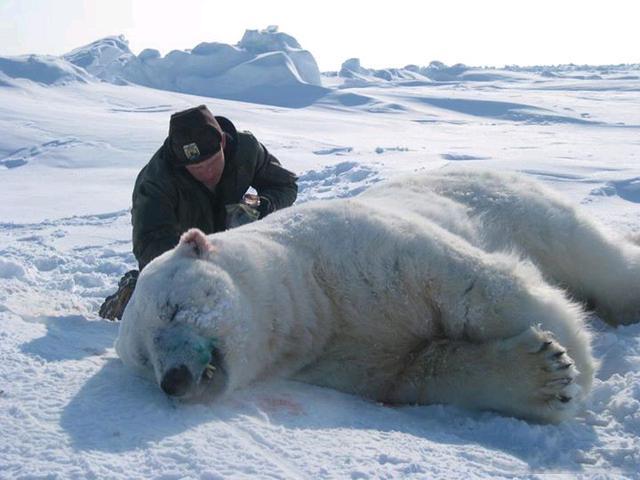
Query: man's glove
{"type": "Point", "coordinates": [113, 306]}
{"type": "Point", "coordinates": [240, 214]}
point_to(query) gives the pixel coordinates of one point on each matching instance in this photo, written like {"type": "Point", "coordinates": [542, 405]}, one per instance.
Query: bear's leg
{"type": "Point", "coordinates": [600, 270]}
{"type": "Point", "coordinates": [528, 376]}
{"type": "Point", "coordinates": [571, 250]}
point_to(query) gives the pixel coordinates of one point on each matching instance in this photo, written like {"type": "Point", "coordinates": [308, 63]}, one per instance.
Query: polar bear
{"type": "Point", "coordinates": [460, 287]}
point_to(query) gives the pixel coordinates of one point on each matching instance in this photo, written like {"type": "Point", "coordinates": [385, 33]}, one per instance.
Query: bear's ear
{"type": "Point", "coordinates": [195, 243]}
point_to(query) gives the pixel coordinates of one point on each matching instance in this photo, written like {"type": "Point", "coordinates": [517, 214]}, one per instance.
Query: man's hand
{"type": "Point", "coordinates": [261, 204]}
{"type": "Point", "coordinates": [240, 214]}
{"type": "Point", "coordinates": [113, 306]}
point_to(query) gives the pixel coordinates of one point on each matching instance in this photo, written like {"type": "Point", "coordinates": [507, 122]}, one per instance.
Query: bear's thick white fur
{"type": "Point", "coordinates": [460, 287]}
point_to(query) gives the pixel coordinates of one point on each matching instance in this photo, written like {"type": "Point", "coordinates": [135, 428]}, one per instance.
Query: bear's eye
{"type": "Point", "coordinates": [142, 359]}
{"type": "Point", "coordinates": [170, 311]}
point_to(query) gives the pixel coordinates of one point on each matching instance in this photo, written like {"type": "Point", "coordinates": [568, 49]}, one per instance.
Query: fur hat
{"type": "Point", "coordinates": [194, 135]}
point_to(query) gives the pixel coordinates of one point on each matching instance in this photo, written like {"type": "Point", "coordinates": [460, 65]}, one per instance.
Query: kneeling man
{"type": "Point", "coordinates": [199, 178]}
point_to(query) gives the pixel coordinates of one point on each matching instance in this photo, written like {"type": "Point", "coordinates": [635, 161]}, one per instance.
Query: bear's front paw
{"type": "Point", "coordinates": [543, 376]}
{"type": "Point", "coordinates": [557, 373]}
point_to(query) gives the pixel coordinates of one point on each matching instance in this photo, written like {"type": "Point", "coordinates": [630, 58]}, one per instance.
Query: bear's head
{"type": "Point", "coordinates": [174, 328]}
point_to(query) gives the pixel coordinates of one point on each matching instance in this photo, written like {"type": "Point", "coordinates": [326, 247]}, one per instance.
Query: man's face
{"type": "Point", "coordinates": [210, 169]}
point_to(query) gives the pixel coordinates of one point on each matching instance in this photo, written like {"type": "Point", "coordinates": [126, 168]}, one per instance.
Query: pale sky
{"type": "Point", "coordinates": [392, 33]}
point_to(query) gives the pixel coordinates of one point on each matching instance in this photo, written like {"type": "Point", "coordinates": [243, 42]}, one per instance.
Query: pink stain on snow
{"type": "Point", "coordinates": [280, 405]}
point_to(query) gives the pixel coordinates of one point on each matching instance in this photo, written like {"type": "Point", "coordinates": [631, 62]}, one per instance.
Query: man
{"type": "Point", "coordinates": [199, 178]}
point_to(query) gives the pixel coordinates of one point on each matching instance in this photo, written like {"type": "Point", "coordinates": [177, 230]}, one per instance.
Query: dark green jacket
{"type": "Point", "coordinates": [167, 200]}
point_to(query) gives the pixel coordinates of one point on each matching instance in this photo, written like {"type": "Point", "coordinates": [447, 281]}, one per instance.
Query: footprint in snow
{"type": "Point", "coordinates": [334, 151]}
{"type": "Point", "coordinates": [22, 156]}
{"type": "Point", "coordinates": [344, 179]}
{"type": "Point", "coordinates": [149, 109]}
{"type": "Point", "coordinates": [460, 157]}
{"type": "Point", "coordinates": [380, 150]}
{"type": "Point", "coordinates": [628, 189]}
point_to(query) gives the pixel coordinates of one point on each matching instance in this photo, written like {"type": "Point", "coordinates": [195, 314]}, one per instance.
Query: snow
{"type": "Point", "coordinates": [265, 66]}
{"type": "Point", "coordinates": [103, 58]}
{"type": "Point", "coordinates": [438, 71]}
{"type": "Point", "coordinates": [70, 150]}
{"type": "Point", "coordinates": [44, 69]}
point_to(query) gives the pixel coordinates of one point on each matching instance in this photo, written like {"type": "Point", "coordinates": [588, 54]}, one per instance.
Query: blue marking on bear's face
{"type": "Point", "coordinates": [178, 345]}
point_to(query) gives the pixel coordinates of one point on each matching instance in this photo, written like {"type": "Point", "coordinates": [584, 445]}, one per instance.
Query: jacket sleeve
{"type": "Point", "coordinates": [155, 224]}
{"type": "Point", "coordinates": [275, 185]}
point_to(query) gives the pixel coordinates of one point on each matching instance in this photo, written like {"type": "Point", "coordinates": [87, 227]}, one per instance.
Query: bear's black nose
{"type": "Point", "coordinates": [176, 381]}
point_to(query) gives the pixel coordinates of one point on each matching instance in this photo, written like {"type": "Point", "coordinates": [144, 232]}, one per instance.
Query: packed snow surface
{"type": "Point", "coordinates": [69, 154]}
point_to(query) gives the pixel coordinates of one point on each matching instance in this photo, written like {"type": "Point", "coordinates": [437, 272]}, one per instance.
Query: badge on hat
{"type": "Point", "coordinates": [191, 151]}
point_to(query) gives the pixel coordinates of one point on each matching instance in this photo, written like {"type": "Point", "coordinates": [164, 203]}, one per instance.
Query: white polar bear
{"type": "Point", "coordinates": [459, 287]}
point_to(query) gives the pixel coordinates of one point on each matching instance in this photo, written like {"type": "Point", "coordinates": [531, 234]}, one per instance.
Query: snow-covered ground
{"type": "Point", "coordinates": [69, 153]}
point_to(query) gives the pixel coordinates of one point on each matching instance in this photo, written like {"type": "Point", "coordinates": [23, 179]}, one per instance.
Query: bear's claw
{"type": "Point", "coordinates": [551, 384]}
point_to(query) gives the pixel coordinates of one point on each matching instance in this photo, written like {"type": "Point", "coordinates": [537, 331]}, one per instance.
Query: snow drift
{"type": "Point", "coordinates": [436, 71]}
{"type": "Point", "coordinates": [45, 69]}
{"type": "Point", "coordinates": [266, 66]}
